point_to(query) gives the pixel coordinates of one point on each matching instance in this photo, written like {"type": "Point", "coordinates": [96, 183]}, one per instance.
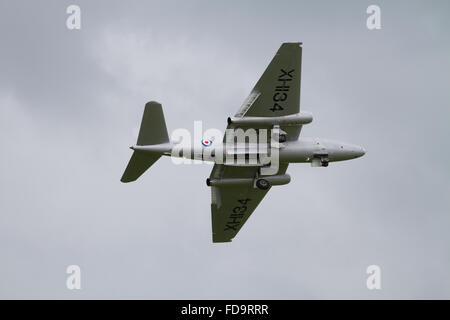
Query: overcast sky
{"type": "Point", "coordinates": [71, 103]}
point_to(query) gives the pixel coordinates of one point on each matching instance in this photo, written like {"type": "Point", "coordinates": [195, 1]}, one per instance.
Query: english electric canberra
{"type": "Point", "coordinates": [260, 141]}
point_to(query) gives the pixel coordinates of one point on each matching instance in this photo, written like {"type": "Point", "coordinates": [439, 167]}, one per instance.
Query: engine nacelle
{"type": "Point", "coordinates": [276, 180]}
{"type": "Point", "coordinates": [289, 120]}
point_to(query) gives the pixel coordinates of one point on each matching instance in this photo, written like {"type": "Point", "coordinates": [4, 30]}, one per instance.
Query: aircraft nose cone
{"type": "Point", "coordinates": [360, 152]}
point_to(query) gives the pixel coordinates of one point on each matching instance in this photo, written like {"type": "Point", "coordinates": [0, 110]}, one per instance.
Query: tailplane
{"type": "Point", "coordinates": [153, 131]}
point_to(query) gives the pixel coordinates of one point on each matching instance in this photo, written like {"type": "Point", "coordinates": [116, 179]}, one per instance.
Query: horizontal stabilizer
{"type": "Point", "coordinates": [139, 162]}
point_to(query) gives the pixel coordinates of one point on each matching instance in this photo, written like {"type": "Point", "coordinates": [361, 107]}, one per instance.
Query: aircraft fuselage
{"type": "Point", "coordinates": [305, 150]}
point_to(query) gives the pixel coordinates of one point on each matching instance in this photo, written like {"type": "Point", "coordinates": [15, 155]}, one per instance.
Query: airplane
{"type": "Point", "coordinates": [237, 187]}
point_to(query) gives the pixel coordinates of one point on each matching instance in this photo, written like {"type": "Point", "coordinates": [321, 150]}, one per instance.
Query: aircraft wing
{"type": "Point", "coordinates": [277, 92]}
{"type": "Point", "coordinates": [231, 206]}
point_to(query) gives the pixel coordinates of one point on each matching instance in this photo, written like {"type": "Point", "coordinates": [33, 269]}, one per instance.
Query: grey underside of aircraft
{"type": "Point", "coordinates": [243, 174]}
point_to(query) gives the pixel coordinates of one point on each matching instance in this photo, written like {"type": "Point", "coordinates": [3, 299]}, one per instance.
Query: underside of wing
{"type": "Point", "coordinates": [231, 206]}
{"type": "Point", "coordinates": [277, 92]}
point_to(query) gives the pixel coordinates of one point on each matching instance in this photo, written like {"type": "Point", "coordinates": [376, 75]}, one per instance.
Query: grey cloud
{"type": "Point", "coordinates": [71, 102]}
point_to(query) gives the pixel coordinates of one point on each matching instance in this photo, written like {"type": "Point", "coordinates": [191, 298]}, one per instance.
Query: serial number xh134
{"type": "Point", "coordinates": [260, 141]}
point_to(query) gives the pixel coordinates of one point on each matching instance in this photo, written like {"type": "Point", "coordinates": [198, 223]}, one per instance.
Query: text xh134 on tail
{"type": "Point", "coordinates": [260, 141]}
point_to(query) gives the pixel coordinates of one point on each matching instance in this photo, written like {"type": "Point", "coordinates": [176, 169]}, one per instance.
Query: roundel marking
{"type": "Point", "coordinates": [206, 142]}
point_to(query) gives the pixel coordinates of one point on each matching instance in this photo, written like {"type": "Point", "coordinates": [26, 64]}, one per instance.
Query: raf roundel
{"type": "Point", "coordinates": [207, 142]}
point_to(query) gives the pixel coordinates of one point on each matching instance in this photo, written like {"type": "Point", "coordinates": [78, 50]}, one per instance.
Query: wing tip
{"type": "Point", "coordinates": [221, 241]}
{"type": "Point", "coordinates": [293, 44]}
{"type": "Point", "coordinates": [216, 238]}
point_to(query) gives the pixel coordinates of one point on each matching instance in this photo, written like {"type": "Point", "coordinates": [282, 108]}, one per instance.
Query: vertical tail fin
{"type": "Point", "coordinates": [153, 126]}
{"type": "Point", "coordinates": [153, 131]}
